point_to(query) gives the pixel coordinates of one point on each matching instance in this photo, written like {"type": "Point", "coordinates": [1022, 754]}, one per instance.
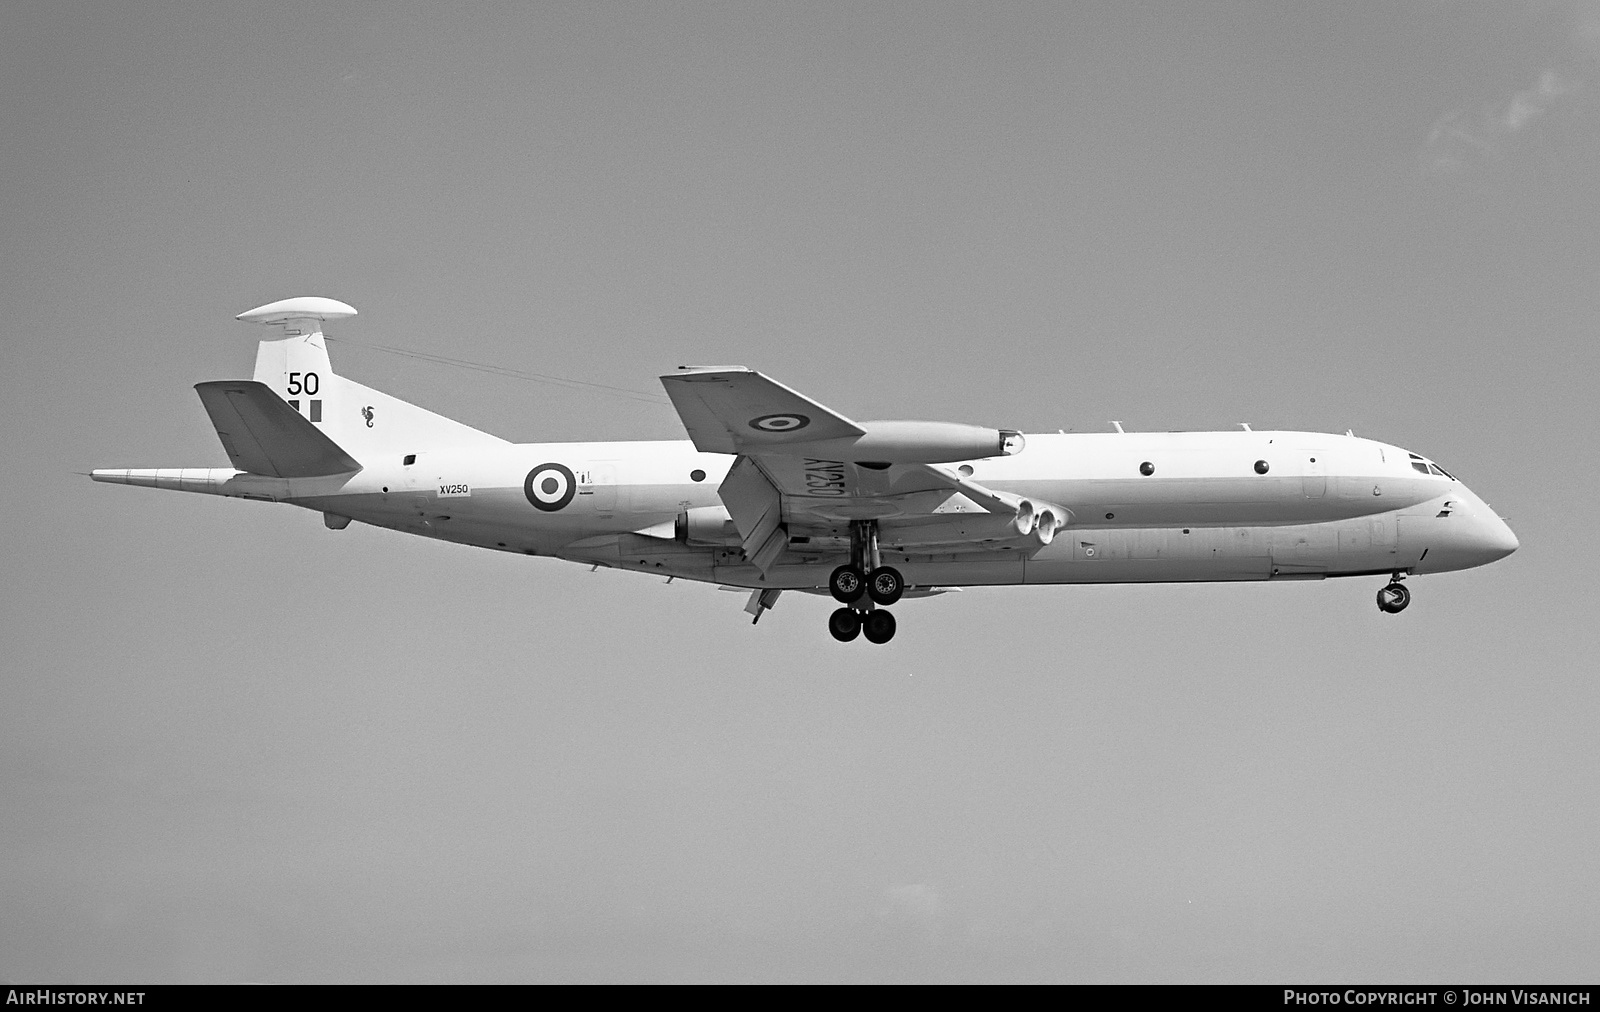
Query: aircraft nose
{"type": "Point", "coordinates": [1499, 541]}
{"type": "Point", "coordinates": [1472, 535]}
{"type": "Point", "coordinates": [1491, 538]}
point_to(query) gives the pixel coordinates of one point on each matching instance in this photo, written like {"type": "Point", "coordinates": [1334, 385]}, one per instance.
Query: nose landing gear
{"type": "Point", "coordinates": [864, 576]}
{"type": "Point", "coordinates": [1392, 599]}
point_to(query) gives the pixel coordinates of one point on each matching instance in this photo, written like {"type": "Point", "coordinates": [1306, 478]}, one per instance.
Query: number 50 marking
{"type": "Point", "coordinates": [307, 385]}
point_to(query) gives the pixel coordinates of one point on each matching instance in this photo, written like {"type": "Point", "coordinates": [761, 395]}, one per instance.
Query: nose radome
{"type": "Point", "coordinates": [1487, 537]}
{"type": "Point", "coordinates": [1502, 540]}
{"type": "Point", "coordinates": [1491, 535]}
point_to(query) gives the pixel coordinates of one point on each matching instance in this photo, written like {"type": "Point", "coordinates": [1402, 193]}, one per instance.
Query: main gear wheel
{"type": "Point", "coordinates": [885, 585]}
{"type": "Point", "coordinates": [846, 584]}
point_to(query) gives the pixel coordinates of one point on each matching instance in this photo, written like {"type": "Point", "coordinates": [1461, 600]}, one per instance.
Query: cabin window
{"type": "Point", "coordinates": [409, 459]}
{"type": "Point", "coordinates": [1262, 467]}
{"type": "Point", "coordinates": [697, 475]}
{"type": "Point", "coordinates": [1147, 469]}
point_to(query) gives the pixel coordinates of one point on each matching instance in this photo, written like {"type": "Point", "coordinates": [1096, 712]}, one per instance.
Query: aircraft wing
{"type": "Point", "coordinates": [737, 409]}
{"type": "Point", "coordinates": [806, 472]}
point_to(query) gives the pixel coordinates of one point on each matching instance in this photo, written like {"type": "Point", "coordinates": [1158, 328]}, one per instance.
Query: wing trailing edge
{"type": "Point", "coordinates": [757, 511]}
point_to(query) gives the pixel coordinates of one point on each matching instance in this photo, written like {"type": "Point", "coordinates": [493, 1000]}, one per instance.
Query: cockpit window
{"type": "Point", "coordinates": [1423, 466]}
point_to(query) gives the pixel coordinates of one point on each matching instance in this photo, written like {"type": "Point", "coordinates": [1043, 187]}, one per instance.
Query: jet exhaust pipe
{"type": "Point", "coordinates": [1046, 526]}
{"type": "Point", "coordinates": [1026, 518]}
{"type": "Point", "coordinates": [1042, 520]}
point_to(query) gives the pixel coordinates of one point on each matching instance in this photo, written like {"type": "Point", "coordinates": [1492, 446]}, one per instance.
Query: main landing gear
{"type": "Point", "coordinates": [1394, 598]}
{"type": "Point", "coordinates": [864, 576]}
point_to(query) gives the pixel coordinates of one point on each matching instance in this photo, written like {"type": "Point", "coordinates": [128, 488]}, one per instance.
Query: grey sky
{"type": "Point", "coordinates": [237, 746]}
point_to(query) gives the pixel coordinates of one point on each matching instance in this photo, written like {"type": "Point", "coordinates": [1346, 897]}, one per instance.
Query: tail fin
{"type": "Point", "coordinates": [362, 422]}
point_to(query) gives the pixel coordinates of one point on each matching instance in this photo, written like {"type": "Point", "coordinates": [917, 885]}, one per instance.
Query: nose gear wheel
{"type": "Point", "coordinates": [1393, 599]}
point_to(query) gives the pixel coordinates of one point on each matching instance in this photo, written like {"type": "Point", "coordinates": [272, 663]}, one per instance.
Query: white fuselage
{"type": "Point", "coordinates": [1327, 505]}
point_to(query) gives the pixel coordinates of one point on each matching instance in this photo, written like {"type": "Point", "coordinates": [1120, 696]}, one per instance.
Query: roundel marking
{"type": "Point", "coordinates": [550, 487]}
{"type": "Point", "coordinates": [779, 423]}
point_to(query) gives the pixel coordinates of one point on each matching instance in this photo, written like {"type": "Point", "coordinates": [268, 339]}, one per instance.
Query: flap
{"type": "Point", "coordinates": [757, 511]}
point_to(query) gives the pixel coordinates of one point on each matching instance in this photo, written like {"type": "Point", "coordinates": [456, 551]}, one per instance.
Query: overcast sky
{"type": "Point", "coordinates": [235, 745]}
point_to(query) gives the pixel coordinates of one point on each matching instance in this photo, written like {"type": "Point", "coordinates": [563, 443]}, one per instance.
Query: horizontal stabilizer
{"type": "Point", "coordinates": [264, 435]}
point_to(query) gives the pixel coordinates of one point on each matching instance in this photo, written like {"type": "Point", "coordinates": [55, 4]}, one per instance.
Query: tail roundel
{"type": "Point", "coordinates": [363, 423]}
